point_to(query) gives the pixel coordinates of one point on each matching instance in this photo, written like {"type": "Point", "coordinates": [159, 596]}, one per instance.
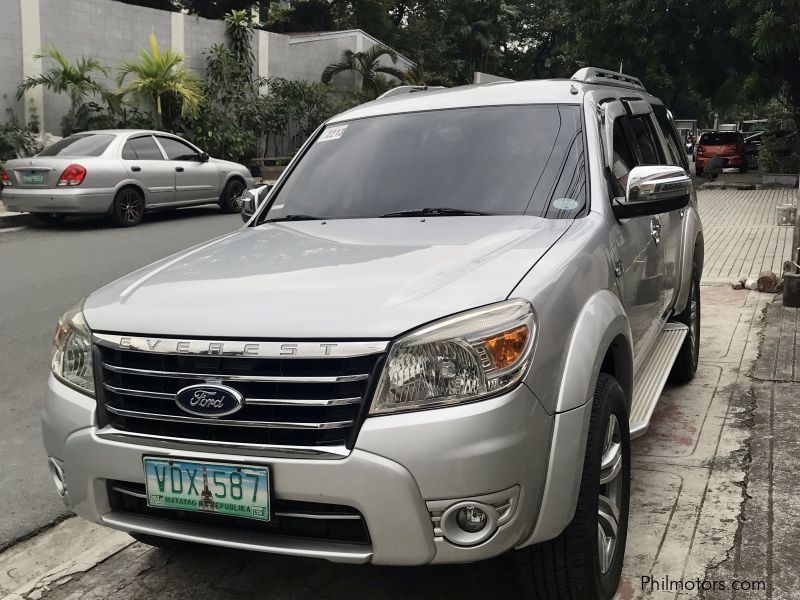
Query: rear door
{"type": "Point", "coordinates": [195, 181]}
{"type": "Point", "coordinates": [145, 163]}
{"type": "Point", "coordinates": [671, 222]}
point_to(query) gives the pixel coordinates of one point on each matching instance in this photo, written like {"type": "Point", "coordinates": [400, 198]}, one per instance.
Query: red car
{"type": "Point", "coordinates": [728, 145]}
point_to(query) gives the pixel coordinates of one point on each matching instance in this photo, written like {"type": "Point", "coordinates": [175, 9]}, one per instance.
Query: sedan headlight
{"type": "Point", "coordinates": [72, 356]}
{"type": "Point", "coordinates": [463, 358]}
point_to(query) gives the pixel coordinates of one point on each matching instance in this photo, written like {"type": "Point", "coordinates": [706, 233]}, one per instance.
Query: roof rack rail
{"type": "Point", "coordinates": [409, 89]}
{"type": "Point", "coordinates": [606, 77]}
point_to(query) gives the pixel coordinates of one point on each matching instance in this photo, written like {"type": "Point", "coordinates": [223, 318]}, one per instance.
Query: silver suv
{"type": "Point", "coordinates": [431, 343]}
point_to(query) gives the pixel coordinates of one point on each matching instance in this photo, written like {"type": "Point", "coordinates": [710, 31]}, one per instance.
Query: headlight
{"type": "Point", "coordinates": [463, 358]}
{"type": "Point", "coordinates": [72, 356]}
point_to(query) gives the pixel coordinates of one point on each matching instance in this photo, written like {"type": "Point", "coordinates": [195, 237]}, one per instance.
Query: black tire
{"type": "Point", "coordinates": [233, 189]}
{"type": "Point", "coordinates": [128, 207]}
{"type": "Point", "coordinates": [50, 218]}
{"type": "Point", "coordinates": [685, 365]}
{"type": "Point", "coordinates": [698, 171]}
{"type": "Point", "coordinates": [743, 169]}
{"type": "Point", "coordinates": [569, 566]}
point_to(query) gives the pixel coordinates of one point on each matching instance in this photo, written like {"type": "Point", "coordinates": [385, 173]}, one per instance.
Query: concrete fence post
{"type": "Point", "coordinates": [177, 28]}
{"type": "Point", "coordinates": [33, 100]}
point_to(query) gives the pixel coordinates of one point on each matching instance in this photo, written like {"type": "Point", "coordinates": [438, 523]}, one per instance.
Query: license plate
{"type": "Point", "coordinates": [32, 177]}
{"type": "Point", "coordinates": [223, 489]}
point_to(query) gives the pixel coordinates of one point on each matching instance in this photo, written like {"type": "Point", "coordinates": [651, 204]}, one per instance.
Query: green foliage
{"type": "Point", "coordinates": [311, 15]}
{"type": "Point", "coordinates": [18, 140]}
{"type": "Point", "coordinates": [225, 124]}
{"type": "Point", "coordinates": [368, 66]}
{"type": "Point", "coordinates": [239, 28]}
{"type": "Point", "coordinates": [158, 72]}
{"type": "Point", "coordinates": [77, 80]}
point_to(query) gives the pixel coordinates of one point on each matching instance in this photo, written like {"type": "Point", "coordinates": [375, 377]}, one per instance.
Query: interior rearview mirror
{"type": "Point", "coordinates": [653, 190]}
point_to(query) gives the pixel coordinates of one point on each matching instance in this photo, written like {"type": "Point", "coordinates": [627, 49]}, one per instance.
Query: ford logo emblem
{"type": "Point", "coordinates": [209, 400]}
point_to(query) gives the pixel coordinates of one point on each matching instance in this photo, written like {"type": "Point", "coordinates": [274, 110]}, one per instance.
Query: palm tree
{"type": "Point", "coordinates": [77, 80]}
{"type": "Point", "coordinates": [367, 65]}
{"type": "Point", "coordinates": [158, 72]}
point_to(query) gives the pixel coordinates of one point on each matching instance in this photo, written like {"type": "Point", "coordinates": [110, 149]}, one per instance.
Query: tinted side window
{"type": "Point", "coordinates": [141, 148]}
{"type": "Point", "coordinates": [624, 159]}
{"type": "Point", "coordinates": [644, 140]}
{"type": "Point", "coordinates": [84, 144]}
{"type": "Point", "coordinates": [177, 150]}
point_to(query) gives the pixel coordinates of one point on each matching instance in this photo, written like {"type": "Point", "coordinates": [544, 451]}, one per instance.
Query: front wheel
{"type": "Point", "coordinates": [128, 208]}
{"type": "Point", "coordinates": [229, 200]}
{"type": "Point", "coordinates": [585, 561]}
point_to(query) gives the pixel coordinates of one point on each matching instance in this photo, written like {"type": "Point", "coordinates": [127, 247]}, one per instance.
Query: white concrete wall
{"type": "Point", "coordinates": [115, 32]}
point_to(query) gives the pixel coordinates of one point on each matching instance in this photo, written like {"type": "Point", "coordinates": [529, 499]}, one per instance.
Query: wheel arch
{"type": "Point", "coordinates": [131, 183]}
{"type": "Point", "coordinates": [600, 342]}
{"type": "Point", "coordinates": [692, 254]}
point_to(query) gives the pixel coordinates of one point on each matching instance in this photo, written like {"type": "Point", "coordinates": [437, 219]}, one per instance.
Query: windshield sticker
{"type": "Point", "coordinates": [565, 204]}
{"type": "Point", "coordinates": [332, 133]}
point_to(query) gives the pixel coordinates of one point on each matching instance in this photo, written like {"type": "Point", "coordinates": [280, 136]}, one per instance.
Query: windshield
{"type": "Point", "coordinates": [504, 160]}
{"type": "Point", "coordinates": [84, 144]}
{"type": "Point", "coordinates": [719, 138]}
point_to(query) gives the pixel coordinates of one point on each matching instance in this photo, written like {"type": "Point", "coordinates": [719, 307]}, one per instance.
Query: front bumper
{"type": "Point", "coordinates": [58, 200]}
{"type": "Point", "coordinates": [403, 471]}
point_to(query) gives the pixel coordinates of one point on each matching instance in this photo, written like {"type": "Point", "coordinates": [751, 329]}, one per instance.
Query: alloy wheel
{"type": "Point", "coordinates": [610, 497]}
{"type": "Point", "coordinates": [130, 207]}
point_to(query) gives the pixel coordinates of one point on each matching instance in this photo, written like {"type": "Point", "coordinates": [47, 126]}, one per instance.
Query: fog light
{"type": "Point", "coordinates": [57, 473]}
{"type": "Point", "coordinates": [471, 519]}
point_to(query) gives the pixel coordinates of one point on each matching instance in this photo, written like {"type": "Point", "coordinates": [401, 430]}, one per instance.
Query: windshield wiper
{"type": "Point", "coordinates": [436, 212]}
{"type": "Point", "coordinates": [295, 218]}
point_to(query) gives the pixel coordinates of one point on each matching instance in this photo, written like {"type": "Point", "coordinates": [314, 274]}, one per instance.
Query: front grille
{"type": "Point", "coordinates": [289, 402]}
{"type": "Point", "coordinates": [289, 518]}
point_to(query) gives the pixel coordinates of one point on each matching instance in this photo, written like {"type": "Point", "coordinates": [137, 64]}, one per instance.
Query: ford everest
{"type": "Point", "coordinates": [431, 343]}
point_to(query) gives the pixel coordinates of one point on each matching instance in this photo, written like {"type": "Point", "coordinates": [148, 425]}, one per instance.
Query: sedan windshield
{"type": "Point", "coordinates": [504, 160]}
{"type": "Point", "coordinates": [83, 144]}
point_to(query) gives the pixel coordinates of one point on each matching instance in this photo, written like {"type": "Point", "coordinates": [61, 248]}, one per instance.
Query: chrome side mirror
{"type": "Point", "coordinates": [252, 199]}
{"type": "Point", "coordinates": [653, 190]}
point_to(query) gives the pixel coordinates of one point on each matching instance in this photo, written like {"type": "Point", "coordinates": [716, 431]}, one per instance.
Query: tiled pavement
{"type": "Point", "coordinates": [742, 237]}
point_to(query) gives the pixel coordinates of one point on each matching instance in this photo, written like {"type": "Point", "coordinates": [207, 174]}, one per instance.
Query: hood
{"type": "Point", "coordinates": [349, 278]}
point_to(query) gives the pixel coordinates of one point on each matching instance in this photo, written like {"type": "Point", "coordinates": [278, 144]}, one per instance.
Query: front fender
{"type": "Point", "coordinates": [602, 326]}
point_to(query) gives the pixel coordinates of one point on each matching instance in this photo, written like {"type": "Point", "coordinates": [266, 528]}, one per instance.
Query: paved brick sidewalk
{"type": "Point", "coordinates": [742, 237]}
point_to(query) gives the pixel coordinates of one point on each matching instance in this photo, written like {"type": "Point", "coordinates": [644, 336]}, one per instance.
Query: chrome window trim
{"type": "Point", "coordinates": [263, 450]}
{"type": "Point", "coordinates": [239, 348]}
{"type": "Point", "coordinates": [135, 414]}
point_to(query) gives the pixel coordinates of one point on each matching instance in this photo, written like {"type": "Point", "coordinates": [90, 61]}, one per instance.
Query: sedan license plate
{"type": "Point", "coordinates": [223, 489]}
{"type": "Point", "coordinates": [32, 177]}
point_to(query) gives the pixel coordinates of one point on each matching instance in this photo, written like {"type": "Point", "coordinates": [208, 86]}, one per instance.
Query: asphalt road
{"type": "Point", "coordinates": [44, 271]}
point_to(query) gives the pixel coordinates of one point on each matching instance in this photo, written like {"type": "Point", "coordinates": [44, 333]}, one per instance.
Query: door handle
{"type": "Point", "coordinates": [179, 169]}
{"type": "Point", "coordinates": [655, 230]}
{"type": "Point", "coordinates": [136, 169]}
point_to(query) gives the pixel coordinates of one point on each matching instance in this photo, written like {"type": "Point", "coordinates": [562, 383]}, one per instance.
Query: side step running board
{"type": "Point", "coordinates": [652, 375]}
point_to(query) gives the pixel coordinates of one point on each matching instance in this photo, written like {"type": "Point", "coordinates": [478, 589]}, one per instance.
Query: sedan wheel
{"type": "Point", "coordinates": [229, 201]}
{"type": "Point", "coordinates": [128, 208]}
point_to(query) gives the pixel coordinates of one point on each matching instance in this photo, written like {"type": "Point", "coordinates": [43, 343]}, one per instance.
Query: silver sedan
{"type": "Point", "coordinates": [121, 173]}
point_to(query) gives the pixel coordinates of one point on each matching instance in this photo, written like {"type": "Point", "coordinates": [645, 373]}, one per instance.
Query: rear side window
{"type": "Point", "coordinates": [84, 144]}
{"type": "Point", "coordinates": [720, 138]}
{"type": "Point", "coordinates": [141, 148]}
{"type": "Point", "coordinates": [677, 156]}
